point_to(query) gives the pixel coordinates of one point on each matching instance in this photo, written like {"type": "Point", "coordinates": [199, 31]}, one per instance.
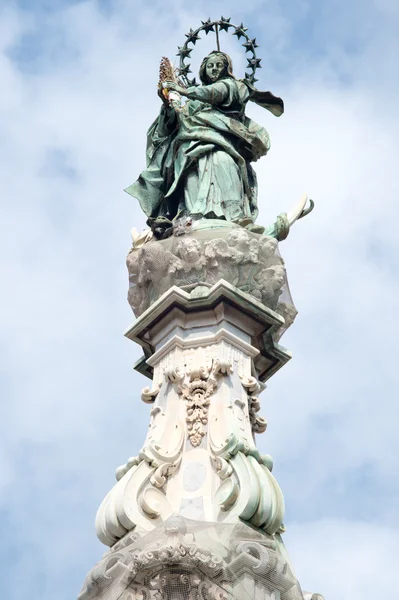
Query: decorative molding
{"type": "Point", "coordinates": [222, 367]}
{"type": "Point", "coordinates": [173, 374]}
{"type": "Point", "coordinates": [225, 304]}
{"type": "Point", "coordinates": [258, 423]}
{"type": "Point", "coordinates": [197, 393]}
{"type": "Point", "coordinates": [222, 467]}
{"type": "Point", "coordinates": [148, 394]}
{"type": "Point", "coordinates": [202, 341]}
{"type": "Point", "coordinates": [186, 559]}
{"type": "Point", "coordinates": [152, 501]}
{"type": "Point", "coordinates": [253, 386]}
{"type": "Point", "coordinates": [159, 478]}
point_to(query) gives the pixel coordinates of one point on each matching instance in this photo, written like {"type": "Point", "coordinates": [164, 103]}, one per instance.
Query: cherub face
{"type": "Point", "coordinates": [278, 277]}
{"type": "Point", "coordinates": [214, 68]}
{"type": "Point", "coordinates": [268, 247]}
{"type": "Point", "coordinates": [190, 250]}
{"type": "Point", "coordinates": [239, 238]}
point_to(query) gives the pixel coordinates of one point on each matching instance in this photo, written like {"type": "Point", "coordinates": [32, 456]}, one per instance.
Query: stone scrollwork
{"type": "Point", "coordinates": [138, 496]}
{"type": "Point", "coordinates": [247, 490]}
{"type": "Point", "coordinates": [265, 565]}
{"type": "Point", "coordinates": [228, 493]}
{"type": "Point", "coordinates": [260, 500]}
{"type": "Point", "coordinates": [148, 394]}
{"type": "Point", "coordinates": [174, 548]}
{"type": "Point", "coordinates": [140, 493]}
{"type": "Point", "coordinates": [222, 367]}
{"type": "Point", "coordinates": [203, 561]}
{"type": "Point", "coordinates": [259, 424]}
{"type": "Point", "coordinates": [160, 476]}
{"type": "Point", "coordinates": [143, 570]}
{"type": "Point", "coordinates": [222, 467]}
{"type": "Point", "coordinates": [151, 502]}
{"type": "Point", "coordinates": [123, 469]}
{"type": "Point", "coordinates": [252, 385]}
{"type": "Point", "coordinates": [173, 374]}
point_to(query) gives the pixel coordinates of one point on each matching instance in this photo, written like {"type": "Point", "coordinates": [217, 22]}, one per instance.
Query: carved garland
{"type": "Point", "coordinates": [197, 393]}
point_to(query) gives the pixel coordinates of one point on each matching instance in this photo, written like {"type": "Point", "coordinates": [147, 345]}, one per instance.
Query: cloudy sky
{"type": "Point", "coordinates": [78, 91]}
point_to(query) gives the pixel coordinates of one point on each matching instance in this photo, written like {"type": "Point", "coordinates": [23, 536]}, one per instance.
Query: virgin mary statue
{"type": "Point", "coordinates": [199, 154]}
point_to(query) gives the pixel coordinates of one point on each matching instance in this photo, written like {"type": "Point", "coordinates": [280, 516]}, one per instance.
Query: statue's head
{"type": "Point", "coordinates": [239, 239]}
{"type": "Point", "coordinates": [189, 249]}
{"type": "Point", "coordinates": [215, 66]}
{"type": "Point", "coordinates": [277, 274]}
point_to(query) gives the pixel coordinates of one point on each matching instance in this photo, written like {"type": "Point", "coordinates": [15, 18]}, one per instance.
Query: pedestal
{"type": "Point", "coordinates": [197, 513]}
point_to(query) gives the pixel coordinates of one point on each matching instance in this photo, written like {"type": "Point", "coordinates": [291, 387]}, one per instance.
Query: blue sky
{"type": "Point", "coordinates": [78, 83]}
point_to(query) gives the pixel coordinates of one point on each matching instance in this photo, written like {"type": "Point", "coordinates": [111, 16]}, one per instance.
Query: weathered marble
{"type": "Point", "coordinates": [199, 477]}
{"type": "Point", "coordinates": [183, 559]}
{"type": "Point", "coordinates": [199, 458]}
{"type": "Point", "coordinates": [202, 255]}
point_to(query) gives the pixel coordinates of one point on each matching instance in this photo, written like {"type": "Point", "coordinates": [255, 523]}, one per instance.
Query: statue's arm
{"type": "Point", "coordinates": [214, 93]}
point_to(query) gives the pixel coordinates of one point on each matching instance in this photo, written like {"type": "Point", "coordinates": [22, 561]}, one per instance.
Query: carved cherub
{"type": "Point", "coordinates": [288, 312]}
{"type": "Point", "coordinates": [133, 265]}
{"type": "Point", "coordinates": [157, 266]}
{"type": "Point", "coordinates": [268, 283]}
{"type": "Point", "coordinates": [267, 250]}
{"type": "Point", "coordinates": [136, 298]}
{"type": "Point", "coordinates": [216, 249]}
{"type": "Point", "coordinates": [191, 257]}
{"type": "Point", "coordinates": [239, 242]}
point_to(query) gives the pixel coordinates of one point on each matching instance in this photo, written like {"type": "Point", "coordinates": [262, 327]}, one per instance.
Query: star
{"type": "Point", "coordinates": [250, 77]}
{"type": "Point", "coordinates": [185, 70]}
{"type": "Point", "coordinates": [254, 63]}
{"type": "Point", "coordinates": [184, 52]}
{"type": "Point", "coordinates": [224, 24]}
{"type": "Point", "coordinates": [250, 45]}
{"type": "Point", "coordinates": [192, 36]}
{"type": "Point", "coordinates": [207, 26]}
{"type": "Point", "coordinates": [240, 31]}
{"type": "Point", "coordinates": [192, 81]}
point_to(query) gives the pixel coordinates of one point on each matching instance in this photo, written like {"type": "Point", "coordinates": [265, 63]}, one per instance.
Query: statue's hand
{"type": "Point", "coordinates": [169, 85]}
{"type": "Point", "coordinates": [163, 98]}
{"type": "Point", "coordinates": [172, 86]}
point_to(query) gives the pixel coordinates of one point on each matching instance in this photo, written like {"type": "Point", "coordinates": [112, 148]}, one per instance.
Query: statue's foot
{"type": "Point", "coordinates": [254, 228]}
{"type": "Point", "coordinates": [244, 222]}
{"type": "Point", "coordinates": [161, 227]}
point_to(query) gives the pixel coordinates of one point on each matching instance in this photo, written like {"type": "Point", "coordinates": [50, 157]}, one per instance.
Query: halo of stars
{"type": "Point", "coordinates": [209, 26]}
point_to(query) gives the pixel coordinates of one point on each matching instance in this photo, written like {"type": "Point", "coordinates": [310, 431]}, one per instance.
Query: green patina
{"type": "Point", "coordinates": [199, 154]}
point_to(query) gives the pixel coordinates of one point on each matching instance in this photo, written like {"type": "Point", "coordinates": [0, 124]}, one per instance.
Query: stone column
{"type": "Point", "coordinates": [198, 513]}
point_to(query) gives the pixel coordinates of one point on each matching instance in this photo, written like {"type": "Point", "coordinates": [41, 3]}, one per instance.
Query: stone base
{"type": "Point", "coordinates": [185, 559]}
{"type": "Point", "coordinates": [203, 255]}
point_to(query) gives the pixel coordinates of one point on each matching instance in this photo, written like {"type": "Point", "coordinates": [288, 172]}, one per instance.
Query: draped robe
{"type": "Point", "coordinates": [199, 155]}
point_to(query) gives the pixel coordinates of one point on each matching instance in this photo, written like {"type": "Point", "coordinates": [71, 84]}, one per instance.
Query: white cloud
{"type": "Point", "coordinates": [346, 559]}
{"type": "Point", "coordinates": [71, 412]}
